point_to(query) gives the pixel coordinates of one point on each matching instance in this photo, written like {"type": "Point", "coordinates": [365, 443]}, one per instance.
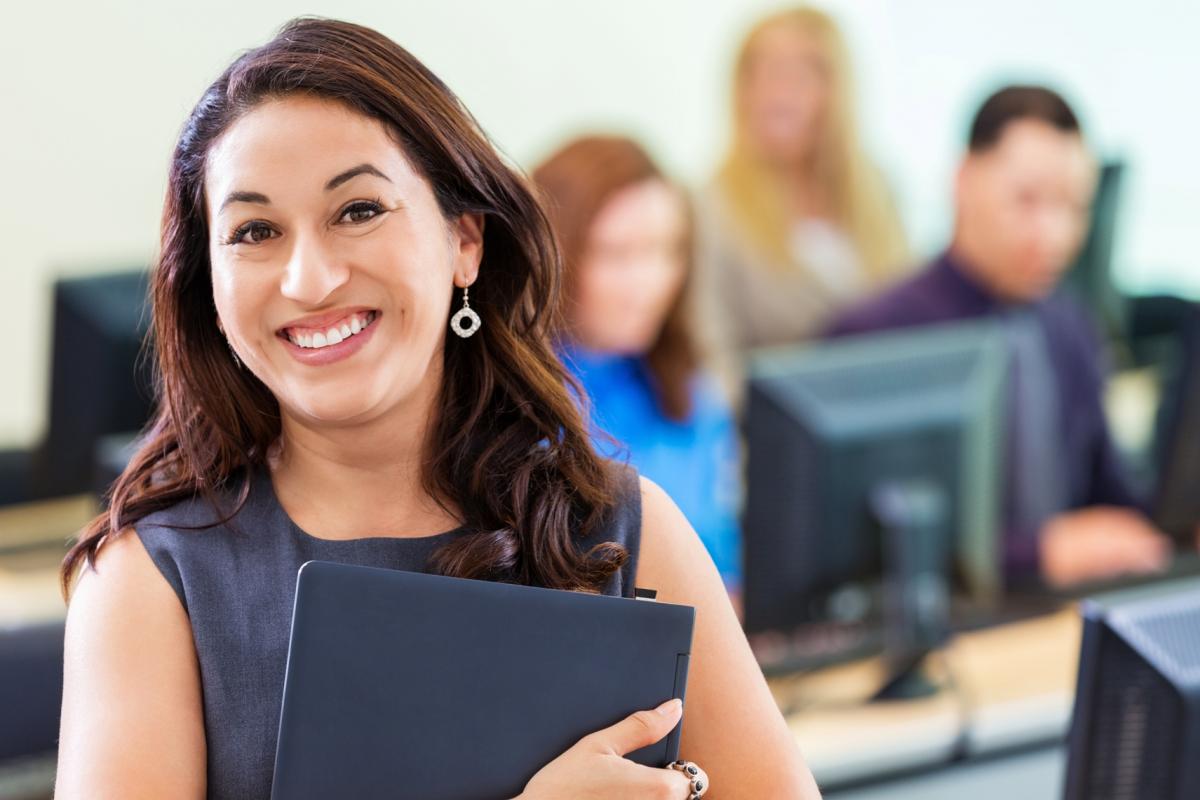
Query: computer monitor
{"type": "Point", "coordinates": [1177, 494]}
{"type": "Point", "coordinates": [872, 456]}
{"type": "Point", "coordinates": [1091, 276]}
{"type": "Point", "coordinates": [100, 380]}
{"type": "Point", "coordinates": [1135, 732]}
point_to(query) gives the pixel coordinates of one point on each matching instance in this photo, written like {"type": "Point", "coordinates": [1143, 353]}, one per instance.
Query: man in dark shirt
{"type": "Point", "coordinates": [1022, 197]}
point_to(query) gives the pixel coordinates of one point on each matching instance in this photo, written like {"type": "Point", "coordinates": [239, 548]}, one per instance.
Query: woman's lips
{"type": "Point", "coordinates": [316, 347]}
{"type": "Point", "coordinates": [334, 330]}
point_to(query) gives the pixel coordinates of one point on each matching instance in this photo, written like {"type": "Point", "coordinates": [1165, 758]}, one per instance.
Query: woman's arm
{"type": "Point", "coordinates": [132, 716]}
{"type": "Point", "coordinates": [732, 727]}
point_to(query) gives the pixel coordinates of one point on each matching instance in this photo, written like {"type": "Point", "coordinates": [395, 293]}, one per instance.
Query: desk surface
{"type": "Point", "coordinates": [1029, 775]}
{"type": "Point", "coordinates": [33, 539]}
{"type": "Point", "coordinates": [1006, 687]}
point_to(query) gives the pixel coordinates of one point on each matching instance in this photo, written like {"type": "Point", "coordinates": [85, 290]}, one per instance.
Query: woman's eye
{"type": "Point", "coordinates": [361, 212]}
{"type": "Point", "coordinates": [252, 233]}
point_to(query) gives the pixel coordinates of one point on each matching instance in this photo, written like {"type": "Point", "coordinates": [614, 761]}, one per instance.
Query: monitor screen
{"type": "Point", "coordinates": [101, 378]}
{"type": "Point", "coordinates": [1177, 501]}
{"type": "Point", "coordinates": [832, 430]}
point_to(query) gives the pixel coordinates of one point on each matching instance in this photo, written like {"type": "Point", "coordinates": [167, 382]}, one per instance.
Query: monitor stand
{"type": "Point", "coordinates": [914, 518]}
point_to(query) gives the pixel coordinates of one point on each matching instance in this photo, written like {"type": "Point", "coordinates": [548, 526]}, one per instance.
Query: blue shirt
{"type": "Point", "coordinates": [694, 460]}
{"type": "Point", "coordinates": [1094, 474]}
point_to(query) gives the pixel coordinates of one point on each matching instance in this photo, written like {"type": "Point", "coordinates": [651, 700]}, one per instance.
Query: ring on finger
{"type": "Point", "coordinates": [697, 778]}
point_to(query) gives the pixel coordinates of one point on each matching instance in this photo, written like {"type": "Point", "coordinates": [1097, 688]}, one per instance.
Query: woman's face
{"type": "Point", "coordinates": [332, 265]}
{"type": "Point", "coordinates": [785, 93]}
{"type": "Point", "coordinates": [633, 266]}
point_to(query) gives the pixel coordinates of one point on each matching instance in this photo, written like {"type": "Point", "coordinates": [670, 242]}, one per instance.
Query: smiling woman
{"type": "Point", "coordinates": [298, 230]}
{"type": "Point", "coordinates": [327, 198]}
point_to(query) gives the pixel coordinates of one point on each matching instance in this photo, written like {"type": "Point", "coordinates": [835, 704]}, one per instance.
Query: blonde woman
{"type": "Point", "coordinates": [797, 222]}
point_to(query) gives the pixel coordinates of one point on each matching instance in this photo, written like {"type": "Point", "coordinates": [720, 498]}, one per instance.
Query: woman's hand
{"type": "Point", "coordinates": [596, 768]}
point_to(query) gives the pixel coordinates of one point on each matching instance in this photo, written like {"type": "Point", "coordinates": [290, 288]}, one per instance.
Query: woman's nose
{"type": "Point", "coordinates": [313, 272]}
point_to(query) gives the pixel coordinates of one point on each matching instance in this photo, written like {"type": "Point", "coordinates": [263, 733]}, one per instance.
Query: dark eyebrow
{"type": "Point", "coordinates": [245, 197]}
{"type": "Point", "coordinates": [334, 182]}
{"type": "Point", "coordinates": [361, 169]}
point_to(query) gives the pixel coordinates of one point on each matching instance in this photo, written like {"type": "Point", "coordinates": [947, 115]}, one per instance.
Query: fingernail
{"type": "Point", "coordinates": [670, 708]}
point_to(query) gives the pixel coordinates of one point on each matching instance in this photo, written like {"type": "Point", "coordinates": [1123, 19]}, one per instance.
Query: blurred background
{"type": "Point", "coordinates": [935, 699]}
{"type": "Point", "coordinates": [98, 91]}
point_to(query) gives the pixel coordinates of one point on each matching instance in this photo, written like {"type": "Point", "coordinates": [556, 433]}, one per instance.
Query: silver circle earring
{"type": "Point", "coordinates": [465, 321]}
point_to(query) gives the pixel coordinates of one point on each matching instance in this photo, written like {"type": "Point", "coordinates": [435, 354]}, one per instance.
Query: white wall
{"type": "Point", "coordinates": [94, 93]}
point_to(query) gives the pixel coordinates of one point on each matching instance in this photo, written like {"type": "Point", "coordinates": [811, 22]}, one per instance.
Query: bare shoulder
{"type": "Point", "coordinates": [673, 560]}
{"type": "Point", "coordinates": [132, 722]}
{"type": "Point", "coordinates": [665, 530]}
{"type": "Point", "coordinates": [121, 565]}
{"type": "Point", "coordinates": [121, 598]}
{"type": "Point", "coordinates": [654, 499]}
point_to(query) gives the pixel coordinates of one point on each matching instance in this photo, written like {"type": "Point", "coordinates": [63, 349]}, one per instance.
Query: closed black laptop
{"type": "Point", "coordinates": [405, 685]}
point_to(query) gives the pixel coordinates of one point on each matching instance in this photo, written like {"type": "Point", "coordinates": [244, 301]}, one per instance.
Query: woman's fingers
{"type": "Point", "coordinates": [637, 730]}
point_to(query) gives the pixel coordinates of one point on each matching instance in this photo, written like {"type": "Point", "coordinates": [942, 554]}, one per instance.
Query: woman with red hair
{"type": "Point", "coordinates": [626, 235]}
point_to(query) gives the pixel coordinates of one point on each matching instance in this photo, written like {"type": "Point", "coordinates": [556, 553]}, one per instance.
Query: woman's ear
{"type": "Point", "coordinates": [467, 239]}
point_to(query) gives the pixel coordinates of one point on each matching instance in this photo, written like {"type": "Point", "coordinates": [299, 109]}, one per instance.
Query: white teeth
{"type": "Point", "coordinates": [334, 335]}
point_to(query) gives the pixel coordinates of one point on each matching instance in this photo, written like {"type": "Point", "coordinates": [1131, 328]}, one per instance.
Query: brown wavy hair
{"type": "Point", "coordinates": [575, 183]}
{"type": "Point", "coordinates": [508, 446]}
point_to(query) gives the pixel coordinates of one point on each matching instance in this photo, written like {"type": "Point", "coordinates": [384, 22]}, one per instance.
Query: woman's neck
{"type": "Point", "coordinates": [354, 481]}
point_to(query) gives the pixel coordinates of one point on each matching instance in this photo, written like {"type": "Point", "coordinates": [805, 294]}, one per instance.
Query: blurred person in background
{"type": "Point", "coordinates": [626, 235]}
{"type": "Point", "coordinates": [798, 222]}
{"type": "Point", "coordinates": [1023, 194]}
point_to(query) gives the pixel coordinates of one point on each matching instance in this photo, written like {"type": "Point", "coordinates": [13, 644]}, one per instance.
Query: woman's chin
{"type": "Point", "coordinates": [336, 412]}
